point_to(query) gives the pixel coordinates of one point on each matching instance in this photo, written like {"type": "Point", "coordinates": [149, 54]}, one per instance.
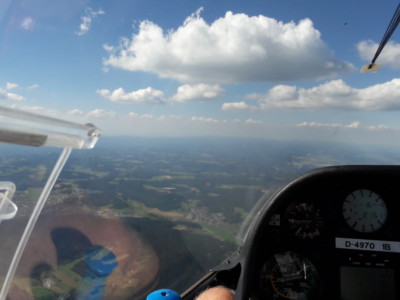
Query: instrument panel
{"type": "Point", "coordinates": [331, 234]}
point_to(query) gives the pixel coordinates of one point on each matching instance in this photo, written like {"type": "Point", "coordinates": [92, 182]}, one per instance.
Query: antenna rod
{"type": "Point", "coordinates": [389, 31]}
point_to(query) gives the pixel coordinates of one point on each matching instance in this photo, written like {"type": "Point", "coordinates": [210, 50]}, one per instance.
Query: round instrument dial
{"type": "Point", "coordinates": [364, 211]}
{"type": "Point", "coordinates": [305, 220]}
{"type": "Point", "coordinates": [288, 275]}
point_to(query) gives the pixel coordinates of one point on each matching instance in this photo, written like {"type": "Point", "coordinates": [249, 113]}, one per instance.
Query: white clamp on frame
{"type": "Point", "coordinates": [8, 209]}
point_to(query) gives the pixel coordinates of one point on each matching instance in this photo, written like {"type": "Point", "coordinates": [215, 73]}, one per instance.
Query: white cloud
{"type": "Point", "coordinates": [148, 95]}
{"type": "Point", "coordinates": [136, 116]}
{"type": "Point", "coordinates": [380, 127]}
{"type": "Point", "coordinates": [252, 121]}
{"type": "Point", "coordinates": [390, 55]}
{"type": "Point", "coordinates": [5, 95]}
{"type": "Point", "coordinates": [205, 120]}
{"type": "Point", "coordinates": [353, 125]}
{"type": "Point", "coordinates": [108, 48]}
{"type": "Point", "coordinates": [10, 85]}
{"type": "Point", "coordinates": [236, 106]}
{"type": "Point", "coordinates": [33, 86]}
{"type": "Point", "coordinates": [100, 113]}
{"type": "Point", "coordinates": [200, 92]}
{"type": "Point", "coordinates": [40, 110]}
{"type": "Point", "coordinates": [76, 112]}
{"type": "Point", "coordinates": [148, 117]}
{"type": "Point", "coordinates": [90, 14]}
{"type": "Point", "coordinates": [133, 115]}
{"type": "Point", "coordinates": [182, 120]}
{"type": "Point", "coordinates": [133, 123]}
{"type": "Point", "coordinates": [356, 128]}
{"type": "Point", "coordinates": [335, 94]}
{"type": "Point", "coordinates": [170, 117]}
{"type": "Point", "coordinates": [234, 48]}
{"type": "Point", "coordinates": [28, 23]}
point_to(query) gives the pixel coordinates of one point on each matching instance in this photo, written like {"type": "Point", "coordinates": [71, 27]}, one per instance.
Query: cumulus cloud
{"type": "Point", "coordinates": [6, 95]}
{"type": "Point", "coordinates": [390, 55]}
{"type": "Point", "coordinates": [11, 86]}
{"type": "Point", "coordinates": [39, 110]}
{"type": "Point", "coordinates": [354, 125]}
{"type": "Point", "coordinates": [33, 86]}
{"type": "Point", "coordinates": [108, 48]}
{"type": "Point", "coordinates": [76, 112]}
{"type": "Point", "coordinates": [136, 116]}
{"type": "Point", "coordinates": [87, 19]}
{"type": "Point", "coordinates": [133, 115]}
{"type": "Point", "coordinates": [148, 95]}
{"type": "Point", "coordinates": [335, 94]}
{"type": "Point", "coordinates": [200, 92]}
{"type": "Point", "coordinates": [252, 121]}
{"type": "Point", "coordinates": [210, 120]}
{"type": "Point", "coordinates": [148, 117]}
{"type": "Point", "coordinates": [234, 48]}
{"type": "Point", "coordinates": [380, 127]}
{"type": "Point", "coordinates": [205, 120]}
{"type": "Point", "coordinates": [28, 23]}
{"type": "Point", "coordinates": [236, 106]}
{"type": "Point", "coordinates": [100, 113]}
{"type": "Point", "coordinates": [182, 120]}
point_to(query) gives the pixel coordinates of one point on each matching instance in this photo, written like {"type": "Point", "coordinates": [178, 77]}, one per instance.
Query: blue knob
{"type": "Point", "coordinates": [164, 294]}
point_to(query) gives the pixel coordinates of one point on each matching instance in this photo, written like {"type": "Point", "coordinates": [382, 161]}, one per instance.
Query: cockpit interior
{"type": "Point", "coordinates": [330, 234]}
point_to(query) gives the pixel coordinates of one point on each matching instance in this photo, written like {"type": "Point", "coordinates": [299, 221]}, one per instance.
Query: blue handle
{"type": "Point", "coordinates": [164, 294]}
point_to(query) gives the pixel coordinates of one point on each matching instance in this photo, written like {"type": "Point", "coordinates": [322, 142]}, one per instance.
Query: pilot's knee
{"type": "Point", "coordinates": [216, 293]}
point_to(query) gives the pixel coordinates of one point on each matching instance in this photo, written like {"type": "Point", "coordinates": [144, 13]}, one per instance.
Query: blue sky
{"type": "Point", "coordinates": [287, 69]}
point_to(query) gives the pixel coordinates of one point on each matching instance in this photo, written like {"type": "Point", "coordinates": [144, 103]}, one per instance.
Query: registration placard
{"type": "Point", "coordinates": [367, 245]}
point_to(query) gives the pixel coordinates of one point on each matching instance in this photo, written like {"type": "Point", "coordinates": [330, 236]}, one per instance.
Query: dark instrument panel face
{"type": "Point", "coordinates": [332, 234]}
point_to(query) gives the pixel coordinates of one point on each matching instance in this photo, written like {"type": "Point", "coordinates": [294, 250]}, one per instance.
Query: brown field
{"type": "Point", "coordinates": [137, 262]}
